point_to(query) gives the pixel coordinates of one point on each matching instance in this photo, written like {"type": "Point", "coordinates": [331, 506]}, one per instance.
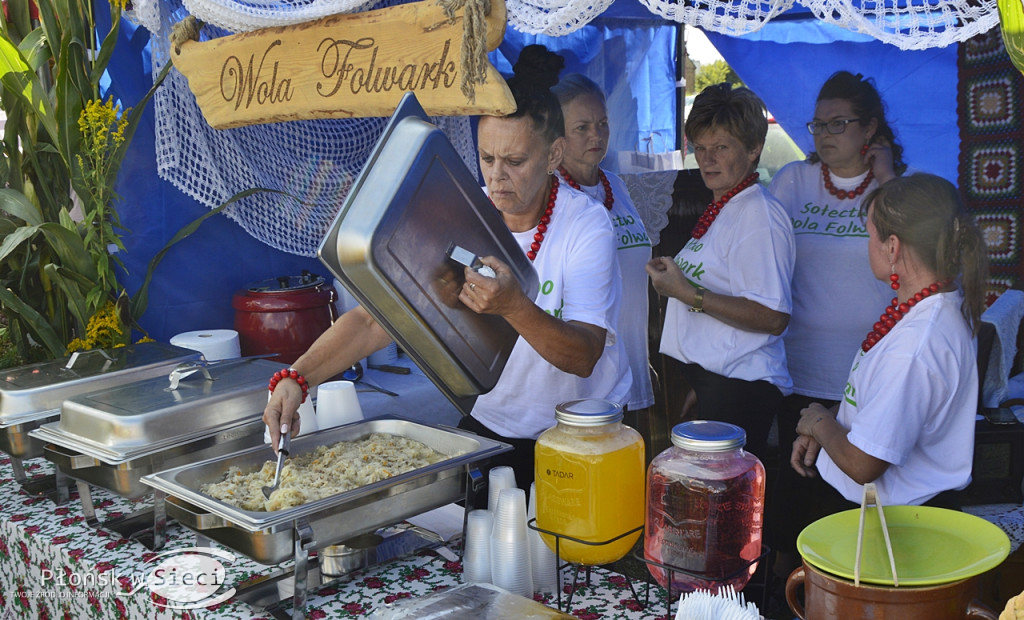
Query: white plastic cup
{"type": "Point", "coordinates": [337, 403]}
{"type": "Point", "coordinates": [542, 557]}
{"type": "Point", "coordinates": [499, 478]}
{"type": "Point", "coordinates": [510, 548]}
{"type": "Point", "coordinates": [476, 557]}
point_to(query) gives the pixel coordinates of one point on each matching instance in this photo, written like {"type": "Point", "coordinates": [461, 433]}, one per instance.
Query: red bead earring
{"type": "Point", "coordinates": [864, 149]}
{"type": "Point", "coordinates": [895, 279]}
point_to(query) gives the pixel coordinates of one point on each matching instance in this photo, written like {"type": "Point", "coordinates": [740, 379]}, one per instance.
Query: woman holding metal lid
{"type": "Point", "coordinates": [728, 288]}
{"type": "Point", "coordinates": [567, 347]}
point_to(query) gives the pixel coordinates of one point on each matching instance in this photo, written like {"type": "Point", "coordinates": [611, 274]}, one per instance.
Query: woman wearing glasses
{"type": "Point", "coordinates": [835, 296]}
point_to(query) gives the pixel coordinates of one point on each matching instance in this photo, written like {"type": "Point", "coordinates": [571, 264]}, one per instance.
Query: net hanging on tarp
{"type": "Point", "coordinates": [311, 163]}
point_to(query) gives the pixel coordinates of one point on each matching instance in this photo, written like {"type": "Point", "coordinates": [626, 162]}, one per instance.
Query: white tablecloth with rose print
{"type": "Point", "coordinates": [38, 538]}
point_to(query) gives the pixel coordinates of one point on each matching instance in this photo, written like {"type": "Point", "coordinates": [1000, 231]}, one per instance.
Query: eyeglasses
{"type": "Point", "coordinates": [835, 127]}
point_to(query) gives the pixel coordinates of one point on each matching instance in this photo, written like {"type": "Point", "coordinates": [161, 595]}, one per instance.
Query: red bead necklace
{"type": "Point", "coordinates": [843, 194]}
{"type": "Point", "coordinates": [542, 226]}
{"type": "Point", "coordinates": [706, 219]}
{"type": "Point", "coordinates": [609, 199]}
{"type": "Point", "coordinates": [895, 311]}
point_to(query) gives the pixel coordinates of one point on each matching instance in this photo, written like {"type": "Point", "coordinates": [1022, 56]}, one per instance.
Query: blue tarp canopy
{"type": "Point", "coordinates": [629, 49]}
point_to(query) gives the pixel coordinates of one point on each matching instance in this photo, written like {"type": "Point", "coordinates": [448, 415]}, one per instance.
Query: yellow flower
{"type": "Point", "coordinates": [104, 331]}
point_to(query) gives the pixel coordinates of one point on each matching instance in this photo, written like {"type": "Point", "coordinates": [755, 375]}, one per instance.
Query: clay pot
{"type": "Point", "coordinates": [828, 597]}
{"type": "Point", "coordinates": [283, 315]}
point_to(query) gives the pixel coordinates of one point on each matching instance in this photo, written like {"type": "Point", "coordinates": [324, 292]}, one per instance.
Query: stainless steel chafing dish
{"type": "Point", "coordinates": [273, 537]}
{"type": "Point", "coordinates": [266, 537]}
{"type": "Point", "coordinates": [111, 438]}
{"type": "Point", "coordinates": [31, 395]}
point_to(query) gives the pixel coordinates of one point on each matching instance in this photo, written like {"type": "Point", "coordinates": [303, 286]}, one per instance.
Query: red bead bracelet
{"type": "Point", "coordinates": [290, 373]}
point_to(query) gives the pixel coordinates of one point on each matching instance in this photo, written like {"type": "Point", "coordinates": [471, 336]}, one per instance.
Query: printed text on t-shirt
{"type": "Point", "coordinates": [632, 236]}
{"type": "Point", "coordinates": [691, 270]}
{"type": "Point", "coordinates": [545, 289]}
{"type": "Point", "coordinates": [825, 220]}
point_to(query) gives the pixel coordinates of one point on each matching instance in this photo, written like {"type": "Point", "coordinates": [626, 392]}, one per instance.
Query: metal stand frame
{"type": "Point", "coordinates": [51, 486]}
{"type": "Point", "coordinates": [148, 526]}
{"type": "Point", "coordinates": [672, 569]}
{"type": "Point", "coordinates": [264, 594]}
{"type": "Point", "coordinates": [532, 524]}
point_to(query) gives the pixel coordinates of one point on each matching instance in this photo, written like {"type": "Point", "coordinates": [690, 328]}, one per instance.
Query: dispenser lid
{"type": "Point", "coordinates": [588, 412]}
{"type": "Point", "coordinates": [708, 436]}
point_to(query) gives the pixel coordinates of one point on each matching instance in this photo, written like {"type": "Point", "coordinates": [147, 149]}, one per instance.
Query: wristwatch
{"type": "Point", "coordinates": [698, 300]}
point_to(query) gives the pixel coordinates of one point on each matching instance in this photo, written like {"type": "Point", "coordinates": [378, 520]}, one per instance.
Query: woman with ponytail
{"type": "Point", "coordinates": [906, 419]}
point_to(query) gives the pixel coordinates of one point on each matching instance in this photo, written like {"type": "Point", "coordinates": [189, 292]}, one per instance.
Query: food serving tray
{"type": "Point", "coordinates": [128, 422]}
{"type": "Point", "coordinates": [33, 393]}
{"type": "Point", "coordinates": [388, 245]}
{"type": "Point", "coordinates": [267, 537]}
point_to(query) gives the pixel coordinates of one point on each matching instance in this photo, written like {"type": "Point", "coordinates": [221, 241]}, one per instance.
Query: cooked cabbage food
{"type": "Point", "coordinates": [324, 472]}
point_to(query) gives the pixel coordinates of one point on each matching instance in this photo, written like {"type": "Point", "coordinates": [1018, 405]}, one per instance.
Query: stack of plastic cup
{"type": "Point", "coordinates": [499, 478]}
{"type": "Point", "coordinates": [510, 547]}
{"type": "Point", "coordinates": [542, 558]}
{"type": "Point", "coordinates": [476, 557]}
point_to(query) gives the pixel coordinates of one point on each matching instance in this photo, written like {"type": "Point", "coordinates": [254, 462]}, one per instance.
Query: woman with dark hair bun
{"type": "Point", "coordinates": [567, 347]}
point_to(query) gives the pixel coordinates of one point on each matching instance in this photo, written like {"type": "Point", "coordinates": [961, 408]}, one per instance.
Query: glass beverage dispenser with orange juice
{"type": "Point", "coordinates": [590, 482]}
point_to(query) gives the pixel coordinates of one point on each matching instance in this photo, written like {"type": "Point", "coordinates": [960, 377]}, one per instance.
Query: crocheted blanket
{"type": "Point", "coordinates": [991, 105]}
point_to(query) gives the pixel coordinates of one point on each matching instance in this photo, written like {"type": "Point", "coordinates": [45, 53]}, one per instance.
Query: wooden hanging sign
{"type": "Point", "coordinates": [342, 66]}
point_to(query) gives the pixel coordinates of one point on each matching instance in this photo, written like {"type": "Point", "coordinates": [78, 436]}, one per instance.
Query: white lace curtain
{"type": "Point", "coordinates": [914, 24]}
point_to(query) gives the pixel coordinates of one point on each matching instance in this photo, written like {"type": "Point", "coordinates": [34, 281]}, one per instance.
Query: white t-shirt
{"type": "Point", "coordinates": [911, 401]}
{"type": "Point", "coordinates": [836, 298]}
{"type": "Point", "coordinates": [579, 281]}
{"type": "Point", "coordinates": [634, 252]}
{"type": "Point", "coordinates": [748, 252]}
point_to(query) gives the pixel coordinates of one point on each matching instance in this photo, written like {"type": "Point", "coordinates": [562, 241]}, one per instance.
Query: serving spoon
{"type": "Point", "coordinates": [282, 451]}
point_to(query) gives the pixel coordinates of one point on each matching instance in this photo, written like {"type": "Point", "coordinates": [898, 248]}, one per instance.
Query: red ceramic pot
{"type": "Point", "coordinates": [283, 315]}
{"type": "Point", "coordinates": [828, 597]}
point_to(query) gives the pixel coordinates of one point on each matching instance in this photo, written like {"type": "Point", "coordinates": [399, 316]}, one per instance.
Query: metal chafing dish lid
{"type": "Point", "coordinates": [37, 390]}
{"type": "Point", "coordinates": [413, 199]}
{"type": "Point", "coordinates": [145, 417]}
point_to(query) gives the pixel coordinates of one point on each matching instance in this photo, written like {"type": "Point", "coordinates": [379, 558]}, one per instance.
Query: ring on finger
{"type": "Point", "coordinates": [472, 286]}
